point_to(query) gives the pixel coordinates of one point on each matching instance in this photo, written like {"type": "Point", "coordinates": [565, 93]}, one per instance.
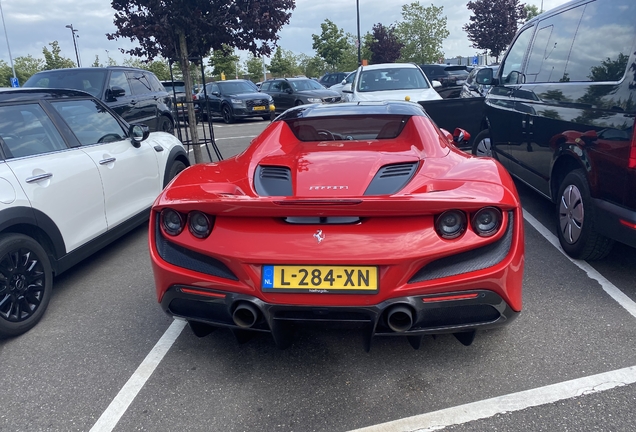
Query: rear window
{"type": "Point", "coordinates": [91, 81]}
{"type": "Point", "coordinates": [348, 128]}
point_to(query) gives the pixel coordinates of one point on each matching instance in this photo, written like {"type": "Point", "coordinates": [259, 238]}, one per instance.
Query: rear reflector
{"type": "Point", "coordinates": [450, 297]}
{"type": "Point", "coordinates": [632, 152]}
{"type": "Point", "coordinates": [202, 293]}
{"type": "Point", "coordinates": [628, 224]}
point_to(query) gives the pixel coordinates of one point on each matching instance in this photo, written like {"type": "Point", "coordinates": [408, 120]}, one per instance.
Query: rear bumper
{"type": "Point", "coordinates": [608, 222]}
{"type": "Point", "coordinates": [458, 312]}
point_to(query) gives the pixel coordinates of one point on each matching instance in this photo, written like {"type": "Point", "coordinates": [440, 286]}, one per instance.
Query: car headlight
{"type": "Point", "coordinates": [238, 102]}
{"type": "Point", "coordinates": [314, 100]}
{"type": "Point", "coordinates": [451, 224]}
{"type": "Point", "coordinates": [199, 224]}
{"type": "Point", "coordinates": [486, 222]}
{"type": "Point", "coordinates": [171, 221]}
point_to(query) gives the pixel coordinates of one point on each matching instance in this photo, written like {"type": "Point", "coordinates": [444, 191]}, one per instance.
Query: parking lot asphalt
{"type": "Point", "coordinates": [104, 320]}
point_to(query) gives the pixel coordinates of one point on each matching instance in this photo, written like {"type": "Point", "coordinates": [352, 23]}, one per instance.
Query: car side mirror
{"type": "Point", "coordinates": [347, 91]}
{"type": "Point", "coordinates": [460, 136]}
{"type": "Point", "coordinates": [288, 90]}
{"type": "Point", "coordinates": [436, 84]}
{"type": "Point", "coordinates": [117, 92]}
{"type": "Point", "coordinates": [484, 76]}
{"type": "Point", "coordinates": [138, 133]}
{"type": "Point", "coordinates": [216, 93]}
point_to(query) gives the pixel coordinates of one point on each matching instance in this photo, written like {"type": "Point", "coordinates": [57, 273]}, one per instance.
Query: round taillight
{"type": "Point", "coordinates": [199, 224]}
{"type": "Point", "coordinates": [171, 221]}
{"type": "Point", "coordinates": [486, 222]}
{"type": "Point", "coordinates": [451, 224]}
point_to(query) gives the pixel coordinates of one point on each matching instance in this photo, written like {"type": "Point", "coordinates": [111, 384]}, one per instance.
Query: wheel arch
{"type": "Point", "coordinates": [176, 154]}
{"type": "Point", "coordinates": [563, 164]}
{"type": "Point", "coordinates": [35, 224]}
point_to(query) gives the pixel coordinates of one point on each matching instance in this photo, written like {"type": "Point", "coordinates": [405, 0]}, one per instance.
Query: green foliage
{"type": "Point", "coordinates": [312, 67]}
{"type": "Point", "coordinates": [283, 63]}
{"type": "Point", "coordinates": [531, 11]}
{"type": "Point", "coordinates": [5, 74]}
{"type": "Point", "coordinates": [53, 59]}
{"type": "Point", "coordinates": [422, 32]}
{"type": "Point", "coordinates": [224, 61]}
{"type": "Point", "coordinates": [331, 44]}
{"type": "Point", "coordinates": [96, 62]}
{"type": "Point", "coordinates": [24, 68]}
{"type": "Point", "coordinates": [254, 67]}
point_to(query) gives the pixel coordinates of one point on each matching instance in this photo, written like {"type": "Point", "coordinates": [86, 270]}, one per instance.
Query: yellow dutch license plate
{"type": "Point", "coordinates": [259, 108]}
{"type": "Point", "coordinates": [320, 279]}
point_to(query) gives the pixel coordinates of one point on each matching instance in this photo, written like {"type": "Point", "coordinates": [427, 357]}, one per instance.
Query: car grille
{"type": "Point", "coordinates": [256, 102]}
{"type": "Point", "coordinates": [333, 99]}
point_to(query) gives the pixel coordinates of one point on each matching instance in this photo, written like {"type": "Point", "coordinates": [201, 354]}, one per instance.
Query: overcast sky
{"type": "Point", "coordinates": [33, 24]}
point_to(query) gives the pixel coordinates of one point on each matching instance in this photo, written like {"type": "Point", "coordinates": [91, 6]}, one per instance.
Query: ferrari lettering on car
{"type": "Point", "coordinates": [391, 229]}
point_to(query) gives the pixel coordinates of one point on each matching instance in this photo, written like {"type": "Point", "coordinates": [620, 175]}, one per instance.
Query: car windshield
{"type": "Point", "coordinates": [91, 81]}
{"type": "Point", "coordinates": [236, 87]}
{"type": "Point", "coordinates": [347, 128]}
{"type": "Point", "coordinates": [306, 84]}
{"type": "Point", "coordinates": [391, 79]}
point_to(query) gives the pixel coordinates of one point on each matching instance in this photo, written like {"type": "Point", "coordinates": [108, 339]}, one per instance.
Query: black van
{"type": "Point", "coordinates": [135, 94]}
{"type": "Point", "coordinates": [560, 117]}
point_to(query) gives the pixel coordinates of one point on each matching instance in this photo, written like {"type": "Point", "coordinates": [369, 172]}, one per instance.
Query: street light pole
{"type": "Point", "coordinates": [7, 38]}
{"type": "Point", "coordinates": [359, 45]}
{"type": "Point", "coordinates": [70, 26]}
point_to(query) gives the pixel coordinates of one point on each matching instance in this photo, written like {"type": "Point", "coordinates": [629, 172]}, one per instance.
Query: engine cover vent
{"type": "Point", "coordinates": [391, 179]}
{"type": "Point", "coordinates": [273, 181]}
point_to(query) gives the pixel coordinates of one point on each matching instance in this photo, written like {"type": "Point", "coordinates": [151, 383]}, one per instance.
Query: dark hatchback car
{"type": "Point", "coordinates": [560, 117]}
{"type": "Point", "coordinates": [290, 92]}
{"type": "Point", "coordinates": [331, 78]}
{"type": "Point", "coordinates": [452, 78]}
{"type": "Point", "coordinates": [233, 99]}
{"type": "Point", "coordinates": [135, 94]}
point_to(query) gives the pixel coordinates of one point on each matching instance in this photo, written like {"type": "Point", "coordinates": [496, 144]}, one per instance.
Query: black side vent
{"type": "Point", "coordinates": [391, 179]}
{"type": "Point", "coordinates": [273, 181]}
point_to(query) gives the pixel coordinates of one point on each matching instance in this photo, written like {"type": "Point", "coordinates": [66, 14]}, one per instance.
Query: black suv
{"type": "Point", "coordinates": [331, 78]}
{"type": "Point", "coordinates": [135, 94]}
{"type": "Point", "coordinates": [233, 99]}
{"type": "Point", "coordinates": [560, 117]}
{"type": "Point", "coordinates": [451, 77]}
{"type": "Point", "coordinates": [289, 92]}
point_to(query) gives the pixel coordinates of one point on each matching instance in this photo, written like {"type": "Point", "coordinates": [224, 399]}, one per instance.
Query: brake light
{"type": "Point", "coordinates": [632, 152]}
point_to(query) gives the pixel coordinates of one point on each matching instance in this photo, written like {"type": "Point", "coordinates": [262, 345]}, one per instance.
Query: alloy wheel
{"type": "Point", "coordinates": [571, 214]}
{"type": "Point", "coordinates": [22, 284]}
{"type": "Point", "coordinates": [484, 148]}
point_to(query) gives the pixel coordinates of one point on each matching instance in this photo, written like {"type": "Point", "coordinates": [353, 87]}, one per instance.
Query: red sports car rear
{"type": "Point", "coordinates": [356, 213]}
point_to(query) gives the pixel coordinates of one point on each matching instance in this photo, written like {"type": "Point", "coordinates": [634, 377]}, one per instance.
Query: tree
{"type": "Point", "coordinates": [53, 59]}
{"type": "Point", "coordinates": [254, 67]}
{"type": "Point", "coordinates": [312, 67]}
{"type": "Point", "coordinates": [493, 24]}
{"type": "Point", "coordinates": [27, 66]}
{"type": "Point", "coordinates": [330, 44]}
{"type": "Point", "coordinates": [283, 63]}
{"type": "Point", "coordinates": [385, 46]}
{"type": "Point", "coordinates": [224, 61]}
{"type": "Point", "coordinates": [531, 11]}
{"type": "Point", "coordinates": [183, 29]}
{"type": "Point", "coordinates": [422, 32]}
{"type": "Point", "coordinates": [96, 62]}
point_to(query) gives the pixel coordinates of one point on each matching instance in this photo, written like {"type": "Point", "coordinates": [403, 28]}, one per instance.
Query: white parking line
{"type": "Point", "coordinates": [435, 420]}
{"type": "Point", "coordinates": [512, 402]}
{"type": "Point", "coordinates": [129, 391]}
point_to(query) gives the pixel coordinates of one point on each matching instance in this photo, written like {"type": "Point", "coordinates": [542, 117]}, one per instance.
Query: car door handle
{"type": "Point", "coordinates": [39, 177]}
{"type": "Point", "coordinates": [107, 161]}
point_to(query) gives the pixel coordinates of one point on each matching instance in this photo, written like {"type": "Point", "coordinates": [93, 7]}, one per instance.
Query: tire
{"type": "Point", "coordinates": [575, 218]}
{"type": "Point", "coordinates": [176, 167]}
{"type": "Point", "coordinates": [165, 125]}
{"type": "Point", "coordinates": [228, 117]}
{"type": "Point", "coordinates": [481, 144]}
{"type": "Point", "coordinates": [25, 289]}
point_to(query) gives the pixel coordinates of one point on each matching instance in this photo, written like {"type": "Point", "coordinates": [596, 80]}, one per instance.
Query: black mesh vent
{"type": "Point", "coordinates": [273, 181]}
{"type": "Point", "coordinates": [473, 260]}
{"type": "Point", "coordinates": [391, 179]}
{"type": "Point", "coordinates": [188, 259]}
{"type": "Point", "coordinates": [458, 315]}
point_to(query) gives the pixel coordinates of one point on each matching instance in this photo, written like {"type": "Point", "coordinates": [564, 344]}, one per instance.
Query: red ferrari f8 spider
{"type": "Point", "coordinates": [361, 213]}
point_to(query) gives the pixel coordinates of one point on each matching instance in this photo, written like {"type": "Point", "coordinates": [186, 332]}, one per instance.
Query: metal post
{"type": "Point", "coordinates": [359, 44]}
{"type": "Point", "coordinates": [264, 71]}
{"type": "Point", "coordinates": [70, 26]}
{"type": "Point", "coordinates": [7, 38]}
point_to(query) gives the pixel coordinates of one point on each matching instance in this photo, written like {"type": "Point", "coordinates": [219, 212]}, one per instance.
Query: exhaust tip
{"type": "Point", "coordinates": [399, 318]}
{"type": "Point", "coordinates": [245, 315]}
